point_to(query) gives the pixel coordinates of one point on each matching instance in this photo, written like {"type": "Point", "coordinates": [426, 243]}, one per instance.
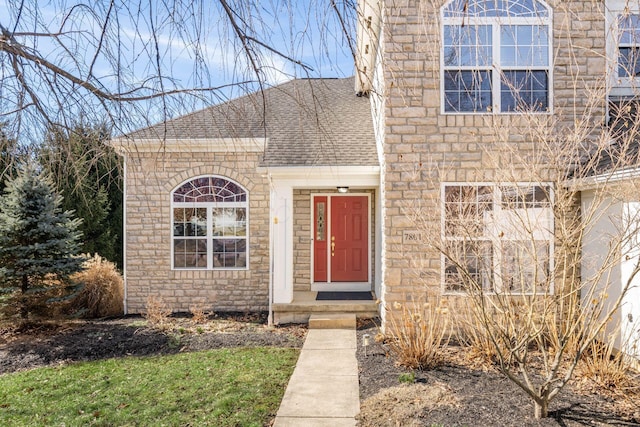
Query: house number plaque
{"type": "Point", "coordinates": [409, 237]}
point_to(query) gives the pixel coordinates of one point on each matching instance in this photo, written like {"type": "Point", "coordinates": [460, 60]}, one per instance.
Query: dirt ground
{"type": "Point", "coordinates": [467, 394]}
{"type": "Point", "coordinates": [457, 394]}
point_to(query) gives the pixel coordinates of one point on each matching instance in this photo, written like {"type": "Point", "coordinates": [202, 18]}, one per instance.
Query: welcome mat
{"type": "Point", "coordinates": [344, 296]}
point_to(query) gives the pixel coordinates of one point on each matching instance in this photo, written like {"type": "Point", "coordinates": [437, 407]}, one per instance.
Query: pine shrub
{"type": "Point", "coordinates": [39, 243]}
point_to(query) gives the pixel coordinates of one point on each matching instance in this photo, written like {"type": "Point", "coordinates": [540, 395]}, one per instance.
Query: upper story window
{"type": "Point", "coordinates": [628, 46]}
{"type": "Point", "coordinates": [496, 56]}
{"type": "Point", "coordinates": [209, 217]}
{"type": "Point", "coordinates": [623, 47]}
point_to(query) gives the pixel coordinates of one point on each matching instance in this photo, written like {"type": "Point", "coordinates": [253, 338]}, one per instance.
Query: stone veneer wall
{"type": "Point", "coordinates": [302, 236]}
{"type": "Point", "coordinates": [302, 240]}
{"type": "Point", "coordinates": [423, 147]}
{"type": "Point", "coordinates": [150, 179]}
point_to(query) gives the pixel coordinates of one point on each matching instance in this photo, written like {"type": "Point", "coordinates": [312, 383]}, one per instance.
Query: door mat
{"type": "Point", "coordinates": [344, 296]}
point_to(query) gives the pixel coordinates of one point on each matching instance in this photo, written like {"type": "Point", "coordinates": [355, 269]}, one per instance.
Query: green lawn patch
{"type": "Point", "coordinates": [227, 387]}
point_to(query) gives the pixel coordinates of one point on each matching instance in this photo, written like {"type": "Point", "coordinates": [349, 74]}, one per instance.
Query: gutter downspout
{"type": "Point", "coordinates": [368, 31]}
{"type": "Point", "coordinates": [124, 232]}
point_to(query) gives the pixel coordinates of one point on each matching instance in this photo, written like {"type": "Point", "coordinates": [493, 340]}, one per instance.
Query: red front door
{"type": "Point", "coordinates": [341, 241]}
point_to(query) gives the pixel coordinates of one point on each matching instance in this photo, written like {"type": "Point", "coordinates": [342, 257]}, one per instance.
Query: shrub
{"type": "Point", "coordinates": [157, 313]}
{"type": "Point", "coordinates": [50, 299]}
{"type": "Point", "coordinates": [102, 292]}
{"type": "Point", "coordinates": [419, 332]}
{"type": "Point", "coordinates": [407, 378]}
{"type": "Point", "coordinates": [198, 314]}
{"type": "Point", "coordinates": [473, 335]}
{"type": "Point", "coordinates": [606, 367]}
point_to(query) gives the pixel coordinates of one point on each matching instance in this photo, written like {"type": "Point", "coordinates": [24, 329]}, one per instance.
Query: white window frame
{"type": "Point", "coordinates": [495, 234]}
{"type": "Point", "coordinates": [618, 86]}
{"type": "Point", "coordinates": [495, 68]}
{"type": "Point", "coordinates": [209, 237]}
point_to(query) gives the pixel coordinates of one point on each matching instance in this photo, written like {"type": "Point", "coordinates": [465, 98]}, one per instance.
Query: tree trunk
{"type": "Point", "coordinates": [541, 409]}
{"type": "Point", "coordinates": [24, 311]}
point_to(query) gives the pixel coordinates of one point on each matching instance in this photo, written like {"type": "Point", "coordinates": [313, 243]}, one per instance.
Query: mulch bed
{"type": "Point", "coordinates": [65, 342]}
{"type": "Point", "coordinates": [467, 394]}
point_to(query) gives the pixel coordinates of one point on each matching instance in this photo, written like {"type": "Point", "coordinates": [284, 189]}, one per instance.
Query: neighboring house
{"type": "Point", "coordinates": [237, 206]}
{"type": "Point", "coordinates": [613, 189]}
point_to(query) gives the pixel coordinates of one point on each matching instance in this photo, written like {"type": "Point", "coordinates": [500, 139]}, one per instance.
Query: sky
{"type": "Point", "coordinates": [190, 44]}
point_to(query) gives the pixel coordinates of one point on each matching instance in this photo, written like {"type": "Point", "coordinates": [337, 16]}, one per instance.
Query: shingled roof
{"type": "Point", "coordinates": [623, 152]}
{"type": "Point", "coordinates": [318, 122]}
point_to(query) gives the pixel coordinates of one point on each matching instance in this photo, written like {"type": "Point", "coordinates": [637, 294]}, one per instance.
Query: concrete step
{"type": "Point", "coordinates": [332, 321]}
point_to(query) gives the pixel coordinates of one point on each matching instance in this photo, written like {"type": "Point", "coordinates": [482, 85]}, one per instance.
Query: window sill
{"type": "Point", "coordinates": [492, 113]}
{"type": "Point", "coordinates": [180, 272]}
{"type": "Point", "coordinates": [210, 269]}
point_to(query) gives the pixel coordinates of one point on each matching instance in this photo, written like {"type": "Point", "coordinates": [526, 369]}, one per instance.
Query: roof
{"type": "Point", "coordinates": [306, 122]}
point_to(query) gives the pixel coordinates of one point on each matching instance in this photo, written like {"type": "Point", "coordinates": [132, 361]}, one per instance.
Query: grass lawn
{"type": "Point", "coordinates": [227, 387]}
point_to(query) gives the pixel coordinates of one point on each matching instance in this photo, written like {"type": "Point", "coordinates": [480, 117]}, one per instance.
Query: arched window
{"type": "Point", "coordinates": [496, 56]}
{"type": "Point", "coordinates": [209, 217]}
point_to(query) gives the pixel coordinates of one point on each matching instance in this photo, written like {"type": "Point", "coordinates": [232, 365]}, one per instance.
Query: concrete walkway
{"type": "Point", "coordinates": [323, 390]}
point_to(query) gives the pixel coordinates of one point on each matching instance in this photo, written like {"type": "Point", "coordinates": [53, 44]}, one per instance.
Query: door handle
{"type": "Point", "coordinates": [333, 247]}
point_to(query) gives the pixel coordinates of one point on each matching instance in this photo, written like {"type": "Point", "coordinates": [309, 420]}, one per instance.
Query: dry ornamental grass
{"type": "Point", "coordinates": [419, 332]}
{"type": "Point", "coordinates": [102, 293]}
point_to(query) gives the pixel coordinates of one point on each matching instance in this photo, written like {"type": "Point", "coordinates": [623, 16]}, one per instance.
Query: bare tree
{"type": "Point", "coordinates": [512, 251]}
{"type": "Point", "coordinates": [139, 62]}
{"type": "Point", "coordinates": [513, 248]}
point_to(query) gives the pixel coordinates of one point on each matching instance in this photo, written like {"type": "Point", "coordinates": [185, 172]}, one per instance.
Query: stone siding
{"type": "Point", "coordinates": [424, 147]}
{"type": "Point", "coordinates": [150, 179]}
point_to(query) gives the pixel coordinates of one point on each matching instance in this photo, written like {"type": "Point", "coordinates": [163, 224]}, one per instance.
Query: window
{"type": "Point", "coordinates": [623, 47]}
{"type": "Point", "coordinates": [496, 56]}
{"type": "Point", "coordinates": [209, 216]}
{"type": "Point", "coordinates": [628, 46]}
{"type": "Point", "coordinates": [497, 238]}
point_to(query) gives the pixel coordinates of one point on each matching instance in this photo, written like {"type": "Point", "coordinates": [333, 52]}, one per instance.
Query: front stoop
{"type": "Point", "coordinates": [332, 321]}
{"type": "Point", "coordinates": [304, 305]}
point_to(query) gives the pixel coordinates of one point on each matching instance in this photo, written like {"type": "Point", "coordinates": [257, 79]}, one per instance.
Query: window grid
{"type": "Point", "coordinates": [489, 8]}
{"type": "Point", "coordinates": [628, 45]}
{"type": "Point", "coordinates": [514, 41]}
{"type": "Point", "coordinates": [209, 219]}
{"type": "Point", "coordinates": [479, 253]}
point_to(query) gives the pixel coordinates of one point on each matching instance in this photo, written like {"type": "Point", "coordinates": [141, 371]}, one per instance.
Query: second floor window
{"type": "Point", "coordinates": [628, 46]}
{"type": "Point", "coordinates": [496, 56]}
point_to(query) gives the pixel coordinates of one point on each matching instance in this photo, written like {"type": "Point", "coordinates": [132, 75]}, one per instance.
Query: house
{"type": "Point", "coordinates": [612, 240]}
{"type": "Point", "coordinates": [232, 207]}
{"type": "Point", "coordinates": [261, 201]}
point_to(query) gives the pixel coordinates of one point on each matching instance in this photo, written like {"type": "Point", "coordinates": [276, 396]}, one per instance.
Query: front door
{"type": "Point", "coordinates": [341, 239]}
